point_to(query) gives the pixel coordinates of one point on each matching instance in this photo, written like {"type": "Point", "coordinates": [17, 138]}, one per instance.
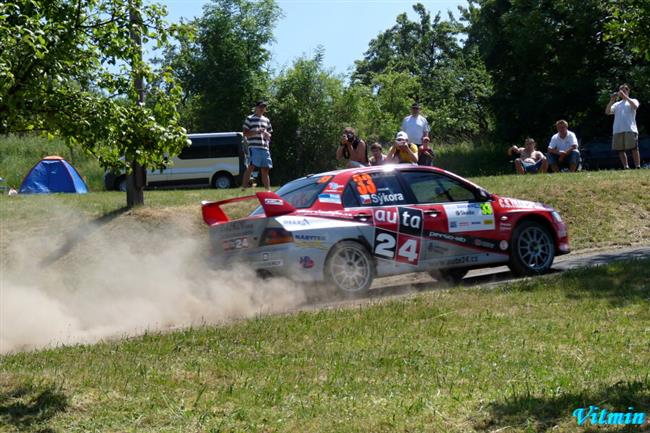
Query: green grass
{"type": "Point", "coordinates": [519, 358]}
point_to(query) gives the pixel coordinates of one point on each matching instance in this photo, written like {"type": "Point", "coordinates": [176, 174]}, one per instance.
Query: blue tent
{"type": "Point", "coordinates": [53, 174]}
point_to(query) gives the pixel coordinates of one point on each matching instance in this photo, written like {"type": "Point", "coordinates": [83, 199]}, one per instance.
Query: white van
{"type": "Point", "coordinates": [213, 159]}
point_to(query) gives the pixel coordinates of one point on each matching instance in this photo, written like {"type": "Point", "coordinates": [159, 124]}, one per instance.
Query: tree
{"type": "Point", "coordinates": [222, 70]}
{"type": "Point", "coordinates": [308, 112]}
{"type": "Point", "coordinates": [548, 60]}
{"type": "Point", "coordinates": [70, 69]}
{"type": "Point", "coordinates": [449, 80]}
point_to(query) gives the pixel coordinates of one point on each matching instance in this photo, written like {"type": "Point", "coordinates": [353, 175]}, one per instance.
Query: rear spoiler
{"type": "Point", "coordinates": [273, 205]}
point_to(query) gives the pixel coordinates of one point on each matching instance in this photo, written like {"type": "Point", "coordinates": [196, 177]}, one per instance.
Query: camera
{"type": "Point", "coordinates": [614, 94]}
{"type": "Point", "coordinates": [350, 137]}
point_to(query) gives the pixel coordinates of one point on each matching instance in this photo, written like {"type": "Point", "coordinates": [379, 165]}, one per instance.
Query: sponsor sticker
{"type": "Point", "coordinates": [273, 201]}
{"type": "Point", "coordinates": [235, 244]}
{"type": "Point", "coordinates": [329, 198]}
{"type": "Point", "coordinates": [468, 217]}
{"type": "Point", "coordinates": [398, 234]}
{"type": "Point", "coordinates": [307, 262]}
{"type": "Point", "coordinates": [510, 203]}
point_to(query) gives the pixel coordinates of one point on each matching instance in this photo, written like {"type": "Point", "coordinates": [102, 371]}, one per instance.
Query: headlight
{"type": "Point", "coordinates": [556, 216]}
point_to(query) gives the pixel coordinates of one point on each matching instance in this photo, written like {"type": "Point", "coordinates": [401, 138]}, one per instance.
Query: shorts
{"type": "Point", "coordinates": [532, 167]}
{"type": "Point", "coordinates": [260, 157]}
{"type": "Point", "coordinates": [625, 141]}
{"type": "Point", "coordinates": [571, 158]}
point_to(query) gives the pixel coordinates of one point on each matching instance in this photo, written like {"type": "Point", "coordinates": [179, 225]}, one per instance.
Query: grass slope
{"type": "Point", "coordinates": [518, 358]}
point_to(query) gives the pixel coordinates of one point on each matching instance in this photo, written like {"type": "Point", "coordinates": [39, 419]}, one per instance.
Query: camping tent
{"type": "Point", "coordinates": [53, 174]}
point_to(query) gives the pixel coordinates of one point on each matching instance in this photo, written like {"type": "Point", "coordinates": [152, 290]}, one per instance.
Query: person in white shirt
{"type": "Point", "coordinates": [415, 125]}
{"type": "Point", "coordinates": [625, 134]}
{"type": "Point", "coordinates": [563, 148]}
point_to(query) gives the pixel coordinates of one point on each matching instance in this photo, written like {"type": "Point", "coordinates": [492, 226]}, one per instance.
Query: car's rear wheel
{"type": "Point", "coordinates": [350, 267]}
{"type": "Point", "coordinates": [532, 249]}
{"type": "Point", "coordinates": [449, 276]}
{"type": "Point", "coordinates": [222, 181]}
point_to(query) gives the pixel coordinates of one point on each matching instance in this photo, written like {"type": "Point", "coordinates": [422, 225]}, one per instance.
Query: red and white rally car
{"type": "Point", "coordinates": [350, 226]}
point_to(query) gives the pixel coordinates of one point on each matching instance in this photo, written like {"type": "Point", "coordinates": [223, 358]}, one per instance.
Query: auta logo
{"type": "Point", "coordinates": [386, 216]}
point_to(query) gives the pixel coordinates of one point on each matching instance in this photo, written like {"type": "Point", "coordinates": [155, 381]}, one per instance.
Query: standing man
{"type": "Point", "coordinates": [563, 148]}
{"type": "Point", "coordinates": [415, 126]}
{"type": "Point", "coordinates": [258, 130]}
{"type": "Point", "coordinates": [625, 133]}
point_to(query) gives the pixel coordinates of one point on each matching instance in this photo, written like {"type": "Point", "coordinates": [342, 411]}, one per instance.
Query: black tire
{"type": "Point", "coordinates": [222, 181]}
{"type": "Point", "coordinates": [449, 276]}
{"type": "Point", "coordinates": [350, 268]}
{"type": "Point", "coordinates": [532, 249]}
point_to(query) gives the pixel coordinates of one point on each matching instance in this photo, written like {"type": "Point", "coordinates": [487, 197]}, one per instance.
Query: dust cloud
{"type": "Point", "coordinates": [78, 282]}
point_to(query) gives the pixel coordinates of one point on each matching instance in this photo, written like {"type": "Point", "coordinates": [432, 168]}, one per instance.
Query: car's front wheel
{"type": "Point", "coordinates": [532, 249]}
{"type": "Point", "coordinates": [350, 268]}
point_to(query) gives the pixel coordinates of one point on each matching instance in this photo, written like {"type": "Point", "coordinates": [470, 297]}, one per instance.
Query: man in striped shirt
{"type": "Point", "coordinates": [258, 130]}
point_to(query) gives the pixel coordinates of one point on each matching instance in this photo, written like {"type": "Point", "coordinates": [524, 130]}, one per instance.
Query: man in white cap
{"type": "Point", "coordinates": [416, 126]}
{"type": "Point", "coordinates": [403, 151]}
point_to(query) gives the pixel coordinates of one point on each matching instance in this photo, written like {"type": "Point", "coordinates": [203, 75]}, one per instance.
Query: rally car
{"type": "Point", "coordinates": [349, 226]}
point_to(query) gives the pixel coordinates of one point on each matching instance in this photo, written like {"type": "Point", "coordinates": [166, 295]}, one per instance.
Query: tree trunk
{"type": "Point", "coordinates": [137, 179]}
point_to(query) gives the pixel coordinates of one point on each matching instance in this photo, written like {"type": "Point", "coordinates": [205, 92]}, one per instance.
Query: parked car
{"type": "Point", "coordinates": [350, 226]}
{"type": "Point", "coordinates": [597, 154]}
{"type": "Point", "coordinates": [213, 159]}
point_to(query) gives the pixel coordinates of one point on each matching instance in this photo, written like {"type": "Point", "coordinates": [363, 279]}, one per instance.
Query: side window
{"type": "Point", "coordinates": [199, 149]}
{"type": "Point", "coordinates": [376, 189]}
{"type": "Point", "coordinates": [349, 198]}
{"type": "Point", "coordinates": [430, 187]}
{"type": "Point", "coordinates": [224, 147]}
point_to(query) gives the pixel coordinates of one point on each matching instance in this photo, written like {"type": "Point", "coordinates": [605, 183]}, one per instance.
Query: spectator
{"type": "Point", "coordinates": [563, 148]}
{"type": "Point", "coordinates": [625, 133]}
{"type": "Point", "coordinates": [415, 125]}
{"type": "Point", "coordinates": [403, 151]}
{"type": "Point", "coordinates": [377, 156]}
{"type": "Point", "coordinates": [257, 130]}
{"type": "Point", "coordinates": [530, 159]}
{"type": "Point", "coordinates": [352, 148]}
{"type": "Point", "coordinates": [425, 153]}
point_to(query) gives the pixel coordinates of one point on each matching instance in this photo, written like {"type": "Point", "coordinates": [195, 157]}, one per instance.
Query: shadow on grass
{"type": "Point", "coordinates": [79, 233]}
{"type": "Point", "coordinates": [619, 282]}
{"type": "Point", "coordinates": [24, 408]}
{"type": "Point", "coordinates": [528, 413]}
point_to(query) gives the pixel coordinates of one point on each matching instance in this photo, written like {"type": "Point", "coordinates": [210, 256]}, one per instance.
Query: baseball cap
{"type": "Point", "coordinates": [402, 136]}
{"type": "Point", "coordinates": [415, 105]}
{"type": "Point", "coordinates": [261, 103]}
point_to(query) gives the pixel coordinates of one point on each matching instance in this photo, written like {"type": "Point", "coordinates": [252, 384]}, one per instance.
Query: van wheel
{"type": "Point", "coordinates": [221, 181]}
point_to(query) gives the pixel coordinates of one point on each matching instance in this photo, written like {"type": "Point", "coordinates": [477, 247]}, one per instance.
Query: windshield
{"type": "Point", "coordinates": [300, 193]}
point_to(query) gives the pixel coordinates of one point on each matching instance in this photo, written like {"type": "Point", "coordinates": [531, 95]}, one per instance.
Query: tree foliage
{"type": "Point", "coordinates": [428, 63]}
{"type": "Point", "coordinates": [223, 69]}
{"type": "Point", "coordinates": [548, 60]}
{"type": "Point", "coordinates": [307, 109]}
{"type": "Point", "coordinates": [68, 68]}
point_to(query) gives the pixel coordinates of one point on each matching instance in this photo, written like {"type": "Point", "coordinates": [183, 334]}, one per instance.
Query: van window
{"type": "Point", "coordinates": [212, 147]}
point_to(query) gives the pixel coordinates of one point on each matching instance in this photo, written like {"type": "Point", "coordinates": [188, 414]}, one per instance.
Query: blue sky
{"type": "Point", "coordinates": [343, 27]}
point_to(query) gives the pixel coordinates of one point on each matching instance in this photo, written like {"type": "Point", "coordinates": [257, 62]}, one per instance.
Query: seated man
{"type": "Point", "coordinates": [530, 160]}
{"type": "Point", "coordinates": [377, 156]}
{"type": "Point", "coordinates": [563, 148]}
{"type": "Point", "coordinates": [403, 151]}
{"type": "Point", "coordinates": [425, 153]}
